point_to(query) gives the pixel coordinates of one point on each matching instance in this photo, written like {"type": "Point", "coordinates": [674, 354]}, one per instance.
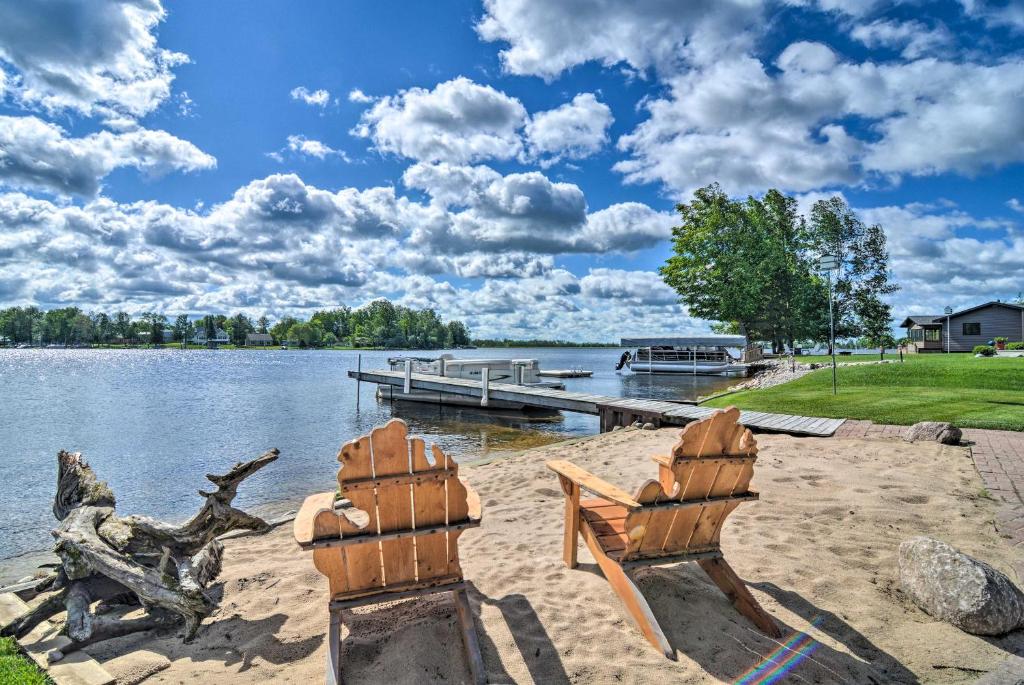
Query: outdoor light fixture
{"type": "Point", "coordinates": [948, 311]}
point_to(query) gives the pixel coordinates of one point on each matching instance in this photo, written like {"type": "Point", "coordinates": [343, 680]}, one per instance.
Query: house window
{"type": "Point", "coordinates": [916, 334]}
{"type": "Point", "coordinates": [932, 335]}
{"type": "Point", "coordinates": [972, 329]}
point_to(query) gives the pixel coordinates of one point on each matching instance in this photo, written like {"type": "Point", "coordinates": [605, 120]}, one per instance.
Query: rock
{"type": "Point", "coordinates": [937, 431]}
{"type": "Point", "coordinates": [647, 427]}
{"type": "Point", "coordinates": [958, 589]}
{"type": "Point", "coordinates": [616, 428]}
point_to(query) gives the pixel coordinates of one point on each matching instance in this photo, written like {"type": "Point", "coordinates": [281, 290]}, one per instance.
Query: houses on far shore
{"type": "Point", "coordinates": [258, 340]}
{"type": "Point", "coordinates": [961, 331]}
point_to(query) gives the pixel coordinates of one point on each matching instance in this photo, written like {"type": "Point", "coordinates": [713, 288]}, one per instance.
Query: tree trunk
{"type": "Point", "coordinates": [166, 567]}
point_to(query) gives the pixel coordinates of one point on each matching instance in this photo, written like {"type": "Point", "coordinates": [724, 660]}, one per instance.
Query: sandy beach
{"type": "Point", "coordinates": [818, 551]}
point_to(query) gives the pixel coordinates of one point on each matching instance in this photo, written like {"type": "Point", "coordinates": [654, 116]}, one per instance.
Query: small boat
{"type": "Point", "coordinates": [699, 355]}
{"type": "Point", "coordinates": [515, 371]}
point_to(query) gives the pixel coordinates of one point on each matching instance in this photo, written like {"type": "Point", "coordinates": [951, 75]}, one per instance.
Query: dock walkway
{"type": "Point", "coordinates": [614, 411]}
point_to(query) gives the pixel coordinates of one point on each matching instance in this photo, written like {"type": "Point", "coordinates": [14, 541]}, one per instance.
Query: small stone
{"type": "Point", "coordinates": [647, 427]}
{"type": "Point", "coordinates": [959, 589]}
{"type": "Point", "coordinates": [616, 428]}
{"type": "Point", "coordinates": [935, 431]}
{"type": "Point", "coordinates": [53, 656]}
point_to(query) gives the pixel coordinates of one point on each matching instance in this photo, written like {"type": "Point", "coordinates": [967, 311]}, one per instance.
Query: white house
{"type": "Point", "coordinates": [220, 337]}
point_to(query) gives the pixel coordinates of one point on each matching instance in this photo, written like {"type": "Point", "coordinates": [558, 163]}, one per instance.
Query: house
{"type": "Point", "coordinates": [961, 331]}
{"type": "Point", "coordinates": [220, 337]}
{"type": "Point", "coordinates": [258, 340]}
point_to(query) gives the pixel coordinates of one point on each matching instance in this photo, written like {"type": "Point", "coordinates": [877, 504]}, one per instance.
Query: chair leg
{"type": "Point", "coordinates": [572, 522]}
{"type": "Point", "coordinates": [630, 595]}
{"type": "Point", "coordinates": [334, 649]}
{"type": "Point", "coordinates": [469, 637]}
{"type": "Point", "coordinates": [727, 580]}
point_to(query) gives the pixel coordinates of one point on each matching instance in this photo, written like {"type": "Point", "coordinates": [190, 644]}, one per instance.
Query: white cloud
{"type": "Point", "coordinates": [913, 38]}
{"type": "Point", "coordinates": [458, 121]}
{"type": "Point", "coordinates": [1015, 204]}
{"type": "Point", "coordinates": [316, 98]}
{"type": "Point", "coordinates": [35, 154]}
{"type": "Point", "coordinates": [301, 145]}
{"type": "Point", "coordinates": [736, 123]}
{"type": "Point", "coordinates": [356, 95]}
{"type": "Point", "coordinates": [95, 57]}
{"type": "Point", "coordinates": [546, 38]}
{"type": "Point", "coordinates": [1009, 13]}
{"type": "Point", "coordinates": [574, 130]}
{"type": "Point", "coordinates": [639, 288]}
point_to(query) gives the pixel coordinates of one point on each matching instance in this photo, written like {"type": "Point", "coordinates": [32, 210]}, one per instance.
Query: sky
{"type": "Point", "coordinates": [513, 164]}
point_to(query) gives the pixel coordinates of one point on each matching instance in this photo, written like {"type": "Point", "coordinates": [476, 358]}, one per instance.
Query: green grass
{"type": "Point", "coordinates": [842, 359]}
{"type": "Point", "coordinates": [959, 388]}
{"type": "Point", "coordinates": [16, 669]}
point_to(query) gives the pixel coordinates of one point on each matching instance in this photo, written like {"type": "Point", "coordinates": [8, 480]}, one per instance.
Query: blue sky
{"type": "Point", "coordinates": [513, 164]}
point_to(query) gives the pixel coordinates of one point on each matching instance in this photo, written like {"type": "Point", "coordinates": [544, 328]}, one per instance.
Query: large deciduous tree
{"type": "Point", "coordinates": [751, 266]}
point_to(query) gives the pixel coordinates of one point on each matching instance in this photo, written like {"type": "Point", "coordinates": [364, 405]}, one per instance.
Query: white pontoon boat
{"type": "Point", "coordinates": [699, 354]}
{"type": "Point", "coordinates": [515, 371]}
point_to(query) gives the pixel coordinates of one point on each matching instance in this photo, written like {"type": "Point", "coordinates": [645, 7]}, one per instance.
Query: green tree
{"type": "Point", "coordinates": [179, 333]}
{"type": "Point", "coordinates": [263, 324]}
{"type": "Point", "coordinates": [238, 327]}
{"type": "Point", "coordinates": [863, 279]}
{"type": "Point", "coordinates": [123, 326]}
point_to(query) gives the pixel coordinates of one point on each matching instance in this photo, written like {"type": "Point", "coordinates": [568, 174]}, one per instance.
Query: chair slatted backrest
{"type": "Point", "coordinates": [710, 466]}
{"type": "Point", "coordinates": [387, 476]}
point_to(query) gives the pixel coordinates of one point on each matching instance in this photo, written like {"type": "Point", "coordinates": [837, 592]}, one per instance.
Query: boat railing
{"type": "Point", "coordinates": [645, 355]}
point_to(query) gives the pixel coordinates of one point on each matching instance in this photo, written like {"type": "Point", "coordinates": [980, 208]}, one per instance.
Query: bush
{"type": "Point", "coordinates": [16, 669]}
{"type": "Point", "coordinates": [985, 350]}
{"type": "Point", "coordinates": [1015, 346]}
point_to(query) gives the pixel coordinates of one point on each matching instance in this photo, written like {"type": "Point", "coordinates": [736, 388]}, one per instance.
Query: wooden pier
{"type": "Point", "coordinates": [614, 411]}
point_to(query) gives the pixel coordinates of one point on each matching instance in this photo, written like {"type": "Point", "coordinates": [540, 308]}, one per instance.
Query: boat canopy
{"type": "Point", "coordinates": [709, 340]}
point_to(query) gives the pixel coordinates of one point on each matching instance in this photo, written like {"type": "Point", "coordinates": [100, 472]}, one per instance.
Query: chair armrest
{"type": "Point", "coordinates": [662, 460]}
{"type": "Point", "coordinates": [472, 502]}
{"type": "Point", "coordinates": [592, 483]}
{"type": "Point", "coordinates": [304, 527]}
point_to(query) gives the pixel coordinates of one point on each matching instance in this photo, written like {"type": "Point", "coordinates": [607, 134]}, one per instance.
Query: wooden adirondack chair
{"type": "Point", "coordinates": [678, 517]}
{"type": "Point", "coordinates": [409, 545]}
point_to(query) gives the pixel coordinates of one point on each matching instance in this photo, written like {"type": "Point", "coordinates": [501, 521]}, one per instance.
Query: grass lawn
{"type": "Point", "coordinates": [16, 669]}
{"type": "Point", "coordinates": [843, 359]}
{"type": "Point", "coordinates": [959, 388]}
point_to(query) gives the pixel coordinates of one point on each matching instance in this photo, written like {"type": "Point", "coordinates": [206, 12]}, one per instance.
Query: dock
{"type": "Point", "coordinates": [566, 373]}
{"type": "Point", "coordinates": [613, 411]}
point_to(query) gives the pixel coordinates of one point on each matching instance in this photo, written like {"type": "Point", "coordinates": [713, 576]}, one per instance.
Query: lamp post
{"type": "Point", "coordinates": [947, 311]}
{"type": "Point", "coordinates": [829, 263]}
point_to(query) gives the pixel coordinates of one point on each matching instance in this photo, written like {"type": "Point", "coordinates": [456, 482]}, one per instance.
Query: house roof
{"type": "Point", "coordinates": [258, 336]}
{"type": "Point", "coordinates": [925, 319]}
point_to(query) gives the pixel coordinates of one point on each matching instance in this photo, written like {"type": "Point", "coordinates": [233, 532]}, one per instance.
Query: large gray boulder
{"type": "Point", "coordinates": [959, 589]}
{"type": "Point", "coordinates": [934, 431]}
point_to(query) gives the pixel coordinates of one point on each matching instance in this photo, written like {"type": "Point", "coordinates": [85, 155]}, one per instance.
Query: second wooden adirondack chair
{"type": "Point", "coordinates": [678, 517]}
{"type": "Point", "coordinates": [409, 544]}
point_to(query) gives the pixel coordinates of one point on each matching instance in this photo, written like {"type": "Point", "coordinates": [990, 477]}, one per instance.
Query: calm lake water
{"type": "Point", "coordinates": [153, 422]}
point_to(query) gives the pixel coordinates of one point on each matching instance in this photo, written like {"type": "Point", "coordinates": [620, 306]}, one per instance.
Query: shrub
{"type": "Point", "coordinates": [984, 350]}
{"type": "Point", "coordinates": [1001, 339]}
{"type": "Point", "coordinates": [1015, 346]}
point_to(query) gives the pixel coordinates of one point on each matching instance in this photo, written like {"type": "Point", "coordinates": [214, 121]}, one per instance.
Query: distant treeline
{"type": "Point", "coordinates": [378, 324]}
{"type": "Point", "coordinates": [507, 342]}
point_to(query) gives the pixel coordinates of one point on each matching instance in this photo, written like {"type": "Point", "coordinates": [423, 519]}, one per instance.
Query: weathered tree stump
{"type": "Point", "coordinates": [107, 558]}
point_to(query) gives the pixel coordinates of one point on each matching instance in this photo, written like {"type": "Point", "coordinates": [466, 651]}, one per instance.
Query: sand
{"type": "Point", "coordinates": [818, 551]}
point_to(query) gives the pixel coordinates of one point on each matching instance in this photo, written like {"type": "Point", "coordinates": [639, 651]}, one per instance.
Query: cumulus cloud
{"type": "Point", "coordinates": [483, 210]}
{"type": "Point", "coordinates": [315, 98]}
{"type": "Point", "coordinates": [458, 121]}
{"type": "Point", "coordinates": [35, 154]}
{"type": "Point", "coordinates": [737, 123]}
{"type": "Point", "coordinates": [546, 38]}
{"type": "Point", "coordinates": [913, 38]}
{"type": "Point", "coordinates": [307, 147]}
{"type": "Point", "coordinates": [1015, 204]}
{"type": "Point", "coordinates": [1008, 14]}
{"type": "Point", "coordinates": [641, 288]}
{"type": "Point", "coordinates": [356, 95]}
{"type": "Point", "coordinates": [94, 57]}
{"type": "Point", "coordinates": [574, 130]}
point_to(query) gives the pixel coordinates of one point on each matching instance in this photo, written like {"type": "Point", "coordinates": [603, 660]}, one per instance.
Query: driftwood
{"type": "Point", "coordinates": [108, 559]}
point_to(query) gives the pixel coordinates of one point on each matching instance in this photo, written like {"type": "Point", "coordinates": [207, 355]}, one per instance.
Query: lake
{"type": "Point", "coordinates": [153, 422]}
